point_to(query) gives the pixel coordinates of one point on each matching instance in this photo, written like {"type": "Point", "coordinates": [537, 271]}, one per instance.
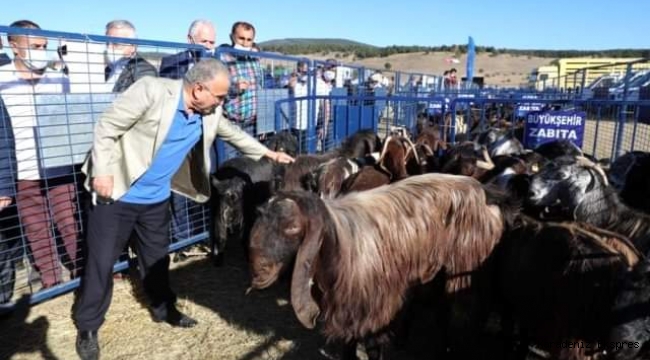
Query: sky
{"type": "Point", "coordinates": [520, 24]}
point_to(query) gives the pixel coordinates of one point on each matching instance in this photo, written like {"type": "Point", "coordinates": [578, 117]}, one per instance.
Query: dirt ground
{"type": "Point", "coordinates": [504, 70]}
{"type": "Point", "coordinates": [232, 325]}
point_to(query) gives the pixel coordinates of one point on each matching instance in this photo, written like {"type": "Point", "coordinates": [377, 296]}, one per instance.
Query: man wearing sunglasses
{"type": "Point", "coordinates": [154, 139]}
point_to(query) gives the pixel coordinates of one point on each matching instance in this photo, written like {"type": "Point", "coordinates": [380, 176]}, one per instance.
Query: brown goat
{"type": "Point", "coordinates": [427, 144]}
{"type": "Point", "coordinates": [391, 166]}
{"type": "Point", "coordinates": [358, 255]}
{"type": "Point", "coordinates": [295, 176]}
{"type": "Point", "coordinates": [327, 180]}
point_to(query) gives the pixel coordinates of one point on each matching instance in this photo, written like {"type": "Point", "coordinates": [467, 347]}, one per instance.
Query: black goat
{"type": "Point", "coordinates": [239, 186]}
{"type": "Point", "coordinates": [500, 142]}
{"type": "Point", "coordinates": [562, 283]}
{"type": "Point", "coordinates": [630, 174]}
{"type": "Point", "coordinates": [283, 141]}
{"type": "Point", "coordinates": [577, 189]}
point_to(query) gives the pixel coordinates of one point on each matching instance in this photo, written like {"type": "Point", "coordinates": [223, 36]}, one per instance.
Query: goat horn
{"type": "Point", "coordinates": [583, 161]}
{"type": "Point", "coordinates": [383, 150]}
{"type": "Point", "coordinates": [412, 148]}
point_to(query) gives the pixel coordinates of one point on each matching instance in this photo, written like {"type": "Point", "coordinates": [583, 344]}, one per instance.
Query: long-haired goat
{"type": "Point", "coordinates": [358, 255]}
{"type": "Point", "coordinates": [559, 282]}
{"type": "Point", "coordinates": [577, 189]}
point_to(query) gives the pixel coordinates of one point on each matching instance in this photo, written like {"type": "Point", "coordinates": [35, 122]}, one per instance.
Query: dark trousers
{"type": "Point", "coordinates": [109, 229]}
{"type": "Point", "coordinates": [11, 251]}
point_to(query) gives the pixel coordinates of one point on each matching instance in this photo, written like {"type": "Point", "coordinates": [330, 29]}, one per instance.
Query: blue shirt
{"type": "Point", "coordinates": [154, 185]}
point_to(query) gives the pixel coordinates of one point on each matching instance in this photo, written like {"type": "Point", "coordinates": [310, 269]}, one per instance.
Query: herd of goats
{"type": "Point", "coordinates": [552, 242]}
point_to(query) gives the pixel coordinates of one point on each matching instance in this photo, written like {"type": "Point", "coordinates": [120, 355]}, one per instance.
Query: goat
{"type": "Point", "coordinates": [630, 174]}
{"type": "Point", "coordinates": [500, 142]}
{"type": "Point", "coordinates": [628, 339]}
{"type": "Point", "coordinates": [554, 149]}
{"type": "Point", "coordinates": [283, 141]}
{"type": "Point", "coordinates": [296, 176]}
{"type": "Point", "coordinates": [360, 144]}
{"type": "Point", "coordinates": [463, 159]}
{"type": "Point", "coordinates": [239, 186]}
{"type": "Point", "coordinates": [358, 255]}
{"type": "Point", "coordinates": [428, 144]}
{"type": "Point", "coordinates": [559, 283]}
{"type": "Point", "coordinates": [621, 167]}
{"type": "Point", "coordinates": [577, 189]}
{"type": "Point", "coordinates": [327, 180]}
{"type": "Point", "coordinates": [391, 166]}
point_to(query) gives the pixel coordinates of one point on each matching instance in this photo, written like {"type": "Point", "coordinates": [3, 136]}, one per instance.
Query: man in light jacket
{"type": "Point", "coordinates": [154, 139]}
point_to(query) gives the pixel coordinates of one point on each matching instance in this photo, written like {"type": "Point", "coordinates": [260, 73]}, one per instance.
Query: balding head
{"type": "Point", "coordinates": [206, 85]}
{"type": "Point", "coordinates": [202, 32]}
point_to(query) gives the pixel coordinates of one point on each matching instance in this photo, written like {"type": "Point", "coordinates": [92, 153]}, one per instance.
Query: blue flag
{"type": "Point", "coordinates": [471, 54]}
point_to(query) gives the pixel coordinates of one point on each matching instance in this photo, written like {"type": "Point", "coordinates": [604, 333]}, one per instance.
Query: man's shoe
{"type": "Point", "coordinates": [87, 345]}
{"type": "Point", "coordinates": [177, 318]}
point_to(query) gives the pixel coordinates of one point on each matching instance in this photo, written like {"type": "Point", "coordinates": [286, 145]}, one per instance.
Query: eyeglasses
{"type": "Point", "coordinates": [219, 98]}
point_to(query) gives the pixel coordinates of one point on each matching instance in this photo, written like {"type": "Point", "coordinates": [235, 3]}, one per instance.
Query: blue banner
{"type": "Point", "coordinates": [523, 109]}
{"type": "Point", "coordinates": [543, 127]}
{"type": "Point", "coordinates": [471, 54]}
{"type": "Point", "coordinates": [434, 108]}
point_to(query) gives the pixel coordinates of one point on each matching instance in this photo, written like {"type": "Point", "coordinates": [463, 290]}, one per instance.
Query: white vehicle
{"type": "Point", "coordinates": [605, 81]}
{"type": "Point", "coordinates": [635, 83]}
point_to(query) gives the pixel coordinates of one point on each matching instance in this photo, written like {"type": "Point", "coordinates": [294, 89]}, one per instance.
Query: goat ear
{"type": "Point", "coordinates": [303, 303]}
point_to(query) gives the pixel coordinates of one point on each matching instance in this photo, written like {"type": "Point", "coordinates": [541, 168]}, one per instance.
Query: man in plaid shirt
{"type": "Point", "coordinates": [246, 78]}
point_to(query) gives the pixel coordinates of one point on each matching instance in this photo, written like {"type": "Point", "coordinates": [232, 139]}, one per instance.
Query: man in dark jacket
{"type": "Point", "coordinates": [123, 65]}
{"type": "Point", "coordinates": [10, 237]}
{"type": "Point", "coordinates": [201, 32]}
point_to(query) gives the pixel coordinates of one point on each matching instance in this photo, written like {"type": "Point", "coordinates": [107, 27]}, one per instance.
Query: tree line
{"type": "Point", "coordinates": [361, 52]}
